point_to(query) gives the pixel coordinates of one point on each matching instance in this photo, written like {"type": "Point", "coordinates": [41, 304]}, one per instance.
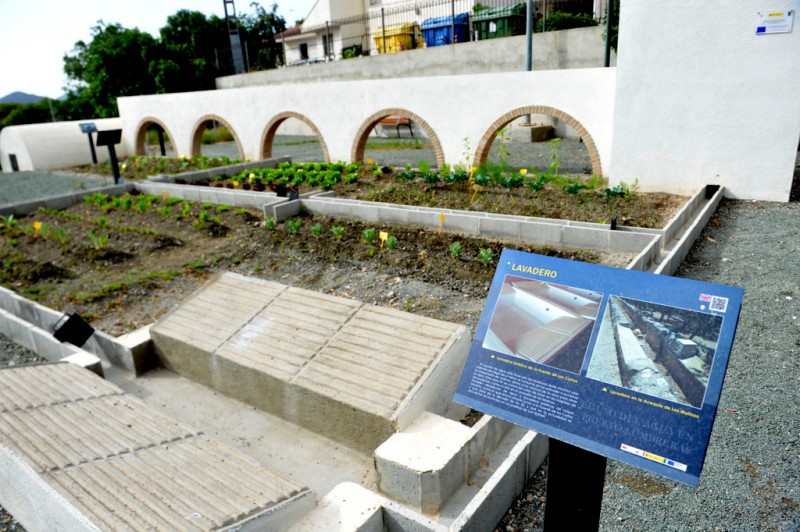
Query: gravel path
{"type": "Point", "coordinates": [572, 154]}
{"type": "Point", "coordinates": [750, 480]}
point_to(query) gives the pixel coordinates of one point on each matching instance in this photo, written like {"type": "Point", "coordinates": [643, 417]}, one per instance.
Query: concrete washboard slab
{"type": "Point", "coordinates": [78, 453]}
{"type": "Point", "coordinates": [352, 372]}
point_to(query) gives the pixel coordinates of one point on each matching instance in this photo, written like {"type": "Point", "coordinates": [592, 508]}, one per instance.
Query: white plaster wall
{"type": "Point", "coordinates": [455, 107]}
{"type": "Point", "coordinates": [702, 99]}
{"type": "Point", "coordinates": [56, 144]}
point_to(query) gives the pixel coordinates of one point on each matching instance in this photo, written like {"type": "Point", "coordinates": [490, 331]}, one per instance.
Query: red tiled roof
{"type": "Point", "coordinates": [291, 31]}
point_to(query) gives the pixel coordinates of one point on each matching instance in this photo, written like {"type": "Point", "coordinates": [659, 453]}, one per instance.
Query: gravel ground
{"type": "Point", "coordinates": [750, 480]}
{"type": "Point", "coordinates": [572, 154]}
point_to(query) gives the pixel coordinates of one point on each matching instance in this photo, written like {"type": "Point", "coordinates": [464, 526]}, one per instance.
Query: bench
{"type": "Point", "coordinates": [397, 121]}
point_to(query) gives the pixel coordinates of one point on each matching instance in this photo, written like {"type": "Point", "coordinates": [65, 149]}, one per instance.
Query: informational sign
{"type": "Point", "coordinates": [88, 127]}
{"type": "Point", "coordinates": [625, 364]}
{"type": "Point", "coordinates": [774, 22]}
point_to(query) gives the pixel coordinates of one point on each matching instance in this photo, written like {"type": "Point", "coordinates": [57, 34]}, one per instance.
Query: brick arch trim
{"type": "Point", "coordinates": [141, 133]}
{"type": "Point", "coordinates": [197, 134]}
{"type": "Point", "coordinates": [268, 136]}
{"type": "Point", "coordinates": [360, 142]}
{"type": "Point", "coordinates": [485, 144]}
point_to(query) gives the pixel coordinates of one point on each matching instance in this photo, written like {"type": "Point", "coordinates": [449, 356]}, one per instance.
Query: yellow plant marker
{"type": "Point", "coordinates": [369, 161]}
{"type": "Point", "coordinates": [476, 188]}
{"type": "Point", "coordinates": [523, 171]}
{"type": "Point", "coordinates": [441, 222]}
{"type": "Point", "coordinates": [37, 226]}
{"type": "Point", "coordinates": [235, 184]}
{"type": "Point", "coordinates": [165, 193]}
{"type": "Point", "coordinates": [383, 236]}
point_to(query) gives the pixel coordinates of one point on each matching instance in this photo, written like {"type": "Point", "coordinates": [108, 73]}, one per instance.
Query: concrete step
{"type": "Point", "coordinates": [77, 453]}
{"type": "Point", "coordinates": [352, 372]}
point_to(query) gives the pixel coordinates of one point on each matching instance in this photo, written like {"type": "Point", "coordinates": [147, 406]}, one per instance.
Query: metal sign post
{"type": "Point", "coordinates": [110, 138]}
{"type": "Point", "coordinates": [575, 479]}
{"type": "Point", "coordinates": [89, 128]}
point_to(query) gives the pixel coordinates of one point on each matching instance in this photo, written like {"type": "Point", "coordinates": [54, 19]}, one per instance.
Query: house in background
{"type": "Point", "coordinates": [340, 29]}
{"type": "Point", "coordinates": [318, 38]}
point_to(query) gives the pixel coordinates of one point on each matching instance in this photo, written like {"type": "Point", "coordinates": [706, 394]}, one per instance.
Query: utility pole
{"type": "Point", "coordinates": [233, 31]}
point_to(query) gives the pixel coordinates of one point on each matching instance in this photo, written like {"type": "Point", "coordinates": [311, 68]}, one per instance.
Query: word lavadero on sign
{"type": "Point", "coordinates": [625, 364]}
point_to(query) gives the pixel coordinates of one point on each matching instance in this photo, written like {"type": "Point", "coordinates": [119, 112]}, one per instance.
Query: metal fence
{"type": "Point", "coordinates": [424, 23]}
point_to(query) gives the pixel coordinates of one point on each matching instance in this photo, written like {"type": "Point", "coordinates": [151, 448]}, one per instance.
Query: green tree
{"type": "Point", "coordinates": [259, 31]}
{"type": "Point", "coordinates": [189, 45]}
{"type": "Point", "coordinates": [117, 62]}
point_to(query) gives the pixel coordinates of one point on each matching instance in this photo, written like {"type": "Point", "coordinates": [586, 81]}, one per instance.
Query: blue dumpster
{"type": "Point", "coordinates": [439, 30]}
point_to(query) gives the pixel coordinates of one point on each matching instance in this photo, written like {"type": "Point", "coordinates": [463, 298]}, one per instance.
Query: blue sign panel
{"type": "Point", "coordinates": [625, 364]}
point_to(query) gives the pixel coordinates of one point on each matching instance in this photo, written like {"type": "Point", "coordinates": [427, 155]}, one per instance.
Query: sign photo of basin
{"type": "Point", "coordinates": [543, 322]}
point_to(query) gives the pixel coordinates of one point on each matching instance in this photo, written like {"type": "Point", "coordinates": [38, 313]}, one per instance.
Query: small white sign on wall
{"type": "Point", "coordinates": [774, 22]}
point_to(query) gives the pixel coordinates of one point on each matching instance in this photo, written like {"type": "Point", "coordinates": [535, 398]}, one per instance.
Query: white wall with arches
{"type": "Point", "coordinates": [457, 112]}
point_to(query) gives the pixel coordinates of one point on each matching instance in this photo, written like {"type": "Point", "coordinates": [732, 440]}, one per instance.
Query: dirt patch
{"type": "Point", "coordinates": [123, 264]}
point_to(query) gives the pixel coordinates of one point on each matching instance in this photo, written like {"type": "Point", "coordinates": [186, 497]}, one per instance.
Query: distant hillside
{"type": "Point", "coordinates": [20, 97]}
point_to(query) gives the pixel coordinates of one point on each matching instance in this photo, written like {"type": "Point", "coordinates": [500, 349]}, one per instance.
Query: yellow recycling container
{"type": "Point", "coordinates": [397, 37]}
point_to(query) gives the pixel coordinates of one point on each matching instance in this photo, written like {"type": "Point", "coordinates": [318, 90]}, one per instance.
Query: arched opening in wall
{"type": "Point", "coordinates": [153, 139]}
{"type": "Point", "coordinates": [397, 138]}
{"type": "Point", "coordinates": [542, 140]}
{"type": "Point", "coordinates": [293, 135]}
{"type": "Point", "coordinates": [214, 137]}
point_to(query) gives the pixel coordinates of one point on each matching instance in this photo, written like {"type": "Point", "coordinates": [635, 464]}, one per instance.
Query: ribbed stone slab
{"type": "Point", "coordinates": [346, 370]}
{"type": "Point", "coordinates": [119, 464]}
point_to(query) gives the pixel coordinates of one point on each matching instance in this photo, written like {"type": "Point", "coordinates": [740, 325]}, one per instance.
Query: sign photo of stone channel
{"type": "Point", "coordinates": [662, 351]}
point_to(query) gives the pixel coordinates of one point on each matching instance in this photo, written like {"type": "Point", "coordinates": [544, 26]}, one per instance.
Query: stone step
{"type": "Point", "coordinates": [78, 453]}
{"type": "Point", "coordinates": [352, 372]}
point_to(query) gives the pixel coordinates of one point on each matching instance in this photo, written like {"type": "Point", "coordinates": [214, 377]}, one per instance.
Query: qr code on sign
{"type": "Point", "coordinates": [720, 304]}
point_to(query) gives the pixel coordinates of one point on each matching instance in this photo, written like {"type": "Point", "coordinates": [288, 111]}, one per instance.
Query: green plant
{"type": "Point", "coordinates": [98, 241]}
{"type": "Point", "coordinates": [293, 225]}
{"type": "Point", "coordinates": [456, 249]}
{"type": "Point", "coordinates": [9, 223]}
{"type": "Point", "coordinates": [424, 167]}
{"type": "Point", "coordinates": [337, 232]}
{"type": "Point", "coordinates": [223, 208]}
{"type": "Point", "coordinates": [536, 184]}
{"type": "Point", "coordinates": [59, 234]}
{"type": "Point", "coordinates": [574, 189]}
{"type": "Point", "coordinates": [142, 204]}
{"type": "Point", "coordinates": [101, 221]}
{"type": "Point", "coordinates": [317, 230]}
{"type": "Point", "coordinates": [369, 235]}
{"type": "Point", "coordinates": [270, 223]}
{"type": "Point", "coordinates": [485, 256]}
{"type": "Point", "coordinates": [164, 211]}
{"type": "Point", "coordinates": [391, 242]}
{"type": "Point", "coordinates": [616, 192]}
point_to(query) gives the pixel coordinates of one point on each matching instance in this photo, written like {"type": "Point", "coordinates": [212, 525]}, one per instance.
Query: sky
{"type": "Point", "coordinates": [36, 34]}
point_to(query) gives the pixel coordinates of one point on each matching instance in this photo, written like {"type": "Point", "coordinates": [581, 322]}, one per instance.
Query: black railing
{"type": "Point", "coordinates": [425, 23]}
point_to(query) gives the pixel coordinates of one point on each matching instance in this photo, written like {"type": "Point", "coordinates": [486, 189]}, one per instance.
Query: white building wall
{"type": "Point", "coordinates": [702, 99]}
{"type": "Point", "coordinates": [56, 144]}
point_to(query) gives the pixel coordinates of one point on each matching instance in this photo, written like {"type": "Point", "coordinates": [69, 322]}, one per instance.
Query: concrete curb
{"type": "Point", "coordinates": [693, 227]}
{"type": "Point", "coordinates": [29, 324]}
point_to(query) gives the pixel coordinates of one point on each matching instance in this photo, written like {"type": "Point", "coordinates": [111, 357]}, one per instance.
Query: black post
{"type": "Point", "coordinates": [161, 142]}
{"type": "Point", "coordinates": [575, 479]}
{"type": "Point", "coordinates": [608, 33]}
{"type": "Point", "coordinates": [383, 29]}
{"type": "Point", "coordinates": [452, 21]}
{"type": "Point", "coordinates": [112, 155]}
{"type": "Point", "coordinates": [91, 147]}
